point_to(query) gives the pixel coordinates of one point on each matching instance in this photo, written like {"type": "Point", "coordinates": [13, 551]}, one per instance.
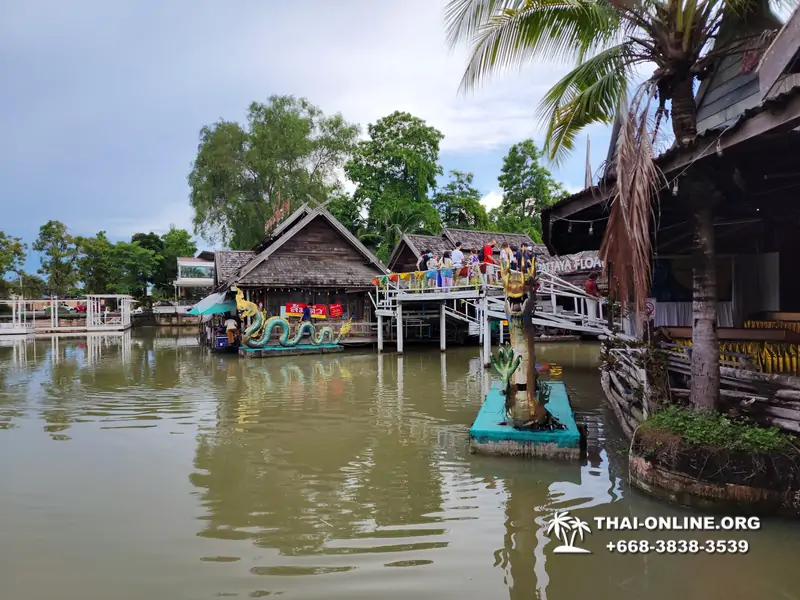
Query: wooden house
{"type": "Point", "coordinates": [309, 258]}
{"type": "Point", "coordinates": [404, 257]}
{"type": "Point", "coordinates": [748, 115]}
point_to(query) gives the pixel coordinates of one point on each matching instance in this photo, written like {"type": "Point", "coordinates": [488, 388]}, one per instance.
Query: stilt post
{"type": "Point", "coordinates": [487, 335]}
{"type": "Point", "coordinates": [399, 327]}
{"type": "Point", "coordinates": [380, 333]}
{"type": "Point", "coordinates": [442, 328]}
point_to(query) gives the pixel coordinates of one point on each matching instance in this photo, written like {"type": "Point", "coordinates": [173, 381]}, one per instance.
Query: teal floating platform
{"type": "Point", "coordinates": [277, 350]}
{"type": "Point", "coordinates": [490, 435]}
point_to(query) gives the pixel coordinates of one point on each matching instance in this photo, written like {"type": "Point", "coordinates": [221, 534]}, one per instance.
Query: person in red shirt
{"type": "Point", "coordinates": [591, 286]}
{"type": "Point", "coordinates": [488, 251]}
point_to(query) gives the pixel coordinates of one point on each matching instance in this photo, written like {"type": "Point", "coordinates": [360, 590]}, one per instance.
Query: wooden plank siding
{"type": "Point", "coordinates": [316, 256]}
{"type": "Point", "coordinates": [728, 95]}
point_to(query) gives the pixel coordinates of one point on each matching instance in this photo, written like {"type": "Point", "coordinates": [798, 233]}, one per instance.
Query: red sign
{"type": "Point", "coordinates": [294, 309]}
{"type": "Point", "coordinates": [318, 311]}
{"type": "Point", "coordinates": [336, 311]}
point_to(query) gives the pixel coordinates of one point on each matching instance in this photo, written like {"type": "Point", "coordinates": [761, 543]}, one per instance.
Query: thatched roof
{"type": "Point", "coordinates": [478, 239]}
{"type": "Point", "coordinates": [228, 262]}
{"type": "Point", "coordinates": [310, 249]}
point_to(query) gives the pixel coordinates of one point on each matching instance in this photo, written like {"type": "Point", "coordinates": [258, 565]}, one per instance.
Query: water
{"type": "Point", "coordinates": [143, 468]}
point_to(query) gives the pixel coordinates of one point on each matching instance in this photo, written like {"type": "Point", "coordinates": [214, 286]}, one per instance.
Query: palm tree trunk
{"type": "Point", "coordinates": [684, 111]}
{"type": "Point", "coordinates": [705, 344]}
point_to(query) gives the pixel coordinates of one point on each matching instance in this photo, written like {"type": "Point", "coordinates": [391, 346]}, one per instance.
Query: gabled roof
{"type": "Point", "coordinates": [477, 239]}
{"type": "Point", "coordinates": [308, 215]}
{"type": "Point", "coordinates": [206, 255]}
{"type": "Point", "coordinates": [283, 226]}
{"type": "Point", "coordinates": [228, 262]}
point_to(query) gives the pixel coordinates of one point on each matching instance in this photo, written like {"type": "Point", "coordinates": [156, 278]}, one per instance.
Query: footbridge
{"type": "Point", "coordinates": [407, 301]}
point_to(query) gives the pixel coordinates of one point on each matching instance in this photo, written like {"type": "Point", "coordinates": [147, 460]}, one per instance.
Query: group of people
{"type": "Point", "coordinates": [440, 271]}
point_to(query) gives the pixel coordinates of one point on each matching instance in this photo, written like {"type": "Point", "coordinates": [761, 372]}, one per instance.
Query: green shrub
{"type": "Point", "coordinates": [715, 429]}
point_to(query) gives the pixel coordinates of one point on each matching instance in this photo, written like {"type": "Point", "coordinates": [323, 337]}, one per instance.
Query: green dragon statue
{"type": "Point", "coordinates": [525, 397]}
{"type": "Point", "coordinates": [259, 333]}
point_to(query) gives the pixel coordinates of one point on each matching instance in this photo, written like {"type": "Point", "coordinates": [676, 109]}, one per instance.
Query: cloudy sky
{"type": "Point", "coordinates": [103, 101]}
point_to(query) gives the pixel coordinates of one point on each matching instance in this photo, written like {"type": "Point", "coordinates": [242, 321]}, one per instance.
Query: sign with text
{"type": "Point", "coordinates": [336, 311]}
{"type": "Point", "coordinates": [318, 311]}
{"type": "Point", "coordinates": [570, 263]}
{"type": "Point", "coordinates": [294, 309]}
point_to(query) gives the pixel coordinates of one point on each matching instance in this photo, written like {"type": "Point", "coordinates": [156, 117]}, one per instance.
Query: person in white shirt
{"type": "Point", "coordinates": [231, 328]}
{"type": "Point", "coordinates": [457, 257]}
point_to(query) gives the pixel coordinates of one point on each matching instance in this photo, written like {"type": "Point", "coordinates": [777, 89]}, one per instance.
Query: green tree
{"type": "Point", "coordinates": [459, 204]}
{"type": "Point", "coordinates": [528, 187]}
{"type": "Point", "coordinates": [346, 210]}
{"type": "Point", "coordinates": [609, 41]}
{"type": "Point", "coordinates": [395, 170]}
{"type": "Point", "coordinates": [289, 150]}
{"type": "Point", "coordinates": [59, 256]}
{"type": "Point", "coordinates": [12, 254]}
{"type": "Point", "coordinates": [175, 243]}
{"type": "Point", "coordinates": [27, 285]}
{"type": "Point", "coordinates": [133, 266]}
{"type": "Point", "coordinates": [96, 263]}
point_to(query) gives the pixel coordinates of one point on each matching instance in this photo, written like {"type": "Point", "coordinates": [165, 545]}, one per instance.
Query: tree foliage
{"type": "Point", "coordinates": [59, 256]}
{"type": "Point", "coordinates": [288, 150]}
{"type": "Point", "coordinates": [12, 254]}
{"type": "Point", "coordinates": [175, 243]}
{"type": "Point", "coordinates": [395, 170]}
{"type": "Point", "coordinates": [459, 204]}
{"type": "Point", "coordinates": [95, 263]}
{"type": "Point", "coordinates": [528, 187]}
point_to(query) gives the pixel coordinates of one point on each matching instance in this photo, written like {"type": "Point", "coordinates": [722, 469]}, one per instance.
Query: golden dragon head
{"type": "Point", "coordinates": [514, 285]}
{"type": "Point", "coordinates": [245, 307]}
{"type": "Point", "coordinates": [345, 328]}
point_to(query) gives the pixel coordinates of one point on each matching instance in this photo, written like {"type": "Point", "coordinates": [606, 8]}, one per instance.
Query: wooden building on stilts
{"type": "Point", "coordinates": [307, 259]}
{"type": "Point", "coordinates": [748, 145]}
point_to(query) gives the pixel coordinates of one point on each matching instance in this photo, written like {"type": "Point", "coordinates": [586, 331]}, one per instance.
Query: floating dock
{"type": "Point", "coordinates": [276, 350]}
{"type": "Point", "coordinates": [490, 434]}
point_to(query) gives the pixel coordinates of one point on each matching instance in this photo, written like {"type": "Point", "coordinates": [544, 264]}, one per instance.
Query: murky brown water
{"type": "Point", "coordinates": [143, 468]}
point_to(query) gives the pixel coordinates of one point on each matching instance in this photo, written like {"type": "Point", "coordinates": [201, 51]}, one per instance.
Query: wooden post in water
{"type": "Point", "coordinates": [399, 327]}
{"type": "Point", "coordinates": [380, 333]}
{"type": "Point", "coordinates": [442, 328]}
{"type": "Point", "coordinates": [487, 335]}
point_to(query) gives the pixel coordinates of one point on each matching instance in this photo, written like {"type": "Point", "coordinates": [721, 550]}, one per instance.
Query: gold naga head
{"type": "Point", "coordinates": [514, 284]}
{"type": "Point", "coordinates": [345, 329]}
{"type": "Point", "coordinates": [245, 307]}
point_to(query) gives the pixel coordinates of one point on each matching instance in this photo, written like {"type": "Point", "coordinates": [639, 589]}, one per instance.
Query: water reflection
{"type": "Point", "coordinates": [182, 474]}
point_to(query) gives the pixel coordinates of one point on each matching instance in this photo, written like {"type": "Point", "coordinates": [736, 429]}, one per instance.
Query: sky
{"type": "Point", "coordinates": [103, 101]}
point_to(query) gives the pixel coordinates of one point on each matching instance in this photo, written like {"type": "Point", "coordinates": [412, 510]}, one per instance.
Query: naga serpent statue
{"type": "Point", "coordinates": [259, 333]}
{"type": "Point", "coordinates": [516, 363]}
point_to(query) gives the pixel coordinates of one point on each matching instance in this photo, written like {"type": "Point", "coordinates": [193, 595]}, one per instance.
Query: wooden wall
{"type": "Point", "coordinates": [405, 261]}
{"type": "Point", "coordinates": [319, 239]}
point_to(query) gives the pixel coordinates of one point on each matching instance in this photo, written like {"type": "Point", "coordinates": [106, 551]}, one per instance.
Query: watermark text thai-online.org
{"type": "Point", "coordinates": [677, 523]}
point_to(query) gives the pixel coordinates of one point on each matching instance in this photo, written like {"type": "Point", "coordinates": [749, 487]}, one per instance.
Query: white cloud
{"type": "Point", "coordinates": [373, 58]}
{"type": "Point", "coordinates": [492, 199]}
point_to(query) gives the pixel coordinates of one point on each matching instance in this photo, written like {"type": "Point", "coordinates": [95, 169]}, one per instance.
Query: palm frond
{"type": "Point", "coordinates": [627, 244]}
{"type": "Point", "coordinates": [507, 33]}
{"type": "Point", "coordinates": [590, 93]}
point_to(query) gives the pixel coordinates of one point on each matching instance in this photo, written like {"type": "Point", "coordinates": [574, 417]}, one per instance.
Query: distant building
{"type": "Point", "coordinates": [195, 276]}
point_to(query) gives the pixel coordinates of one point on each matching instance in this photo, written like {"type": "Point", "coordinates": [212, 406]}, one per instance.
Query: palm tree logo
{"type": "Point", "coordinates": [566, 528]}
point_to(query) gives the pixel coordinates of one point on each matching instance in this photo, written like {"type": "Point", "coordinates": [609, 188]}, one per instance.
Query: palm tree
{"type": "Point", "coordinates": [578, 528]}
{"type": "Point", "coordinates": [561, 523]}
{"type": "Point", "coordinates": [609, 40]}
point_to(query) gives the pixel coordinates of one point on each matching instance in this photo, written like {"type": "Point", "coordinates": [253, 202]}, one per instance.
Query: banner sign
{"type": "Point", "coordinates": [336, 310]}
{"type": "Point", "coordinates": [294, 309]}
{"type": "Point", "coordinates": [570, 263]}
{"type": "Point", "coordinates": [318, 311]}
